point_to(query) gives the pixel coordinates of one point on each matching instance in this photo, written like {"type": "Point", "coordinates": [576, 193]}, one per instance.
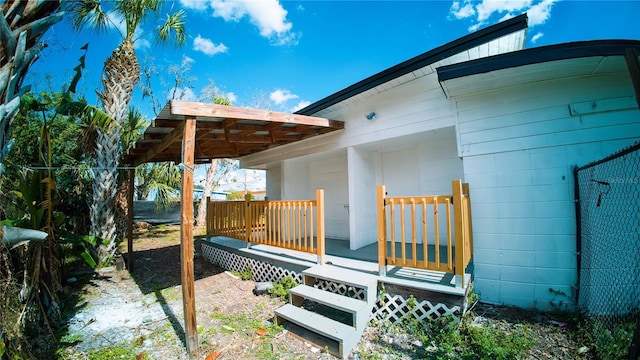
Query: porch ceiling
{"type": "Point", "coordinates": [222, 132]}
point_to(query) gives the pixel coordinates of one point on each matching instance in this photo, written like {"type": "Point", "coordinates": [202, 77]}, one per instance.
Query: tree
{"type": "Point", "coordinates": [161, 179]}
{"type": "Point", "coordinates": [121, 73]}
{"type": "Point", "coordinates": [22, 24]}
{"type": "Point", "coordinates": [217, 171]}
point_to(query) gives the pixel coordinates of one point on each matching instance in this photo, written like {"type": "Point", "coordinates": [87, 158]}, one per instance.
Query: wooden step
{"type": "Point", "coordinates": [357, 308]}
{"type": "Point", "coordinates": [344, 276]}
{"type": "Point", "coordinates": [344, 335]}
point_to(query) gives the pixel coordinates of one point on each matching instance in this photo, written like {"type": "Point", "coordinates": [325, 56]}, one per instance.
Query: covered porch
{"type": "Point", "coordinates": [424, 234]}
{"type": "Point", "coordinates": [191, 133]}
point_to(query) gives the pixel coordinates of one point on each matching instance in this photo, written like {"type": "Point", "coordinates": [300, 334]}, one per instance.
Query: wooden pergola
{"type": "Point", "coordinates": [191, 133]}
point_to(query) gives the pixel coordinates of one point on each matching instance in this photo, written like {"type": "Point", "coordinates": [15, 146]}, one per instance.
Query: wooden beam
{"type": "Point", "coordinates": [191, 108]}
{"type": "Point", "coordinates": [163, 144]}
{"type": "Point", "coordinates": [131, 189]}
{"type": "Point", "coordinates": [186, 235]}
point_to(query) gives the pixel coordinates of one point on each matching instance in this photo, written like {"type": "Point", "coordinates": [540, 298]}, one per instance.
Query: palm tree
{"type": "Point", "coordinates": [161, 179]}
{"type": "Point", "coordinates": [22, 24]}
{"type": "Point", "coordinates": [121, 73]}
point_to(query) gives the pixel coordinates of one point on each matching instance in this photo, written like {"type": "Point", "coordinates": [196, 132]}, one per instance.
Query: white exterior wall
{"type": "Point", "coordinates": [362, 199]}
{"type": "Point", "coordinates": [274, 181]}
{"type": "Point", "coordinates": [519, 147]}
{"type": "Point", "coordinates": [330, 173]}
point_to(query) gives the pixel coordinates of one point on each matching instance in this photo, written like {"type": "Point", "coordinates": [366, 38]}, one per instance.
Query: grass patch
{"type": "Point", "coordinates": [247, 274]}
{"type": "Point", "coordinates": [121, 351]}
{"type": "Point", "coordinates": [253, 328]}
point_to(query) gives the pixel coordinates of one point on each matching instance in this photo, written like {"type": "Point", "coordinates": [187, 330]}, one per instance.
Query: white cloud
{"type": "Point", "coordinates": [536, 37]}
{"type": "Point", "coordinates": [281, 96]}
{"type": "Point", "coordinates": [538, 11]}
{"type": "Point", "coordinates": [142, 44]}
{"type": "Point", "coordinates": [488, 7]}
{"type": "Point", "coordinates": [207, 46]}
{"type": "Point", "coordinates": [181, 94]}
{"type": "Point", "coordinates": [187, 61]}
{"type": "Point", "coordinates": [301, 105]}
{"type": "Point", "coordinates": [232, 97]}
{"type": "Point", "coordinates": [267, 15]}
{"type": "Point", "coordinates": [462, 11]}
{"type": "Point", "coordinates": [194, 4]}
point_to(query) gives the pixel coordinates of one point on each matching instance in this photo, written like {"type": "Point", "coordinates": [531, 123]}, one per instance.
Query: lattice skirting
{"type": "Point", "coordinates": [396, 308]}
{"type": "Point", "coordinates": [393, 308]}
{"type": "Point", "coordinates": [261, 270]}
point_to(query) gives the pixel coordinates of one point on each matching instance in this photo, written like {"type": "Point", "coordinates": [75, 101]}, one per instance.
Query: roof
{"type": "Point", "coordinates": [222, 132]}
{"type": "Point", "coordinates": [535, 65]}
{"type": "Point", "coordinates": [452, 48]}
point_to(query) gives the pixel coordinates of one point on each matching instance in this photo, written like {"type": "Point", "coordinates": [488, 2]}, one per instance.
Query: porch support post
{"type": "Point", "coordinates": [320, 225]}
{"type": "Point", "coordinates": [456, 186]}
{"type": "Point", "coordinates": [186, 235]}
{"type": "Point", "coordinates": [248, 221]}
{"type": "Point", "coordinates": [132, 174]}
{"type": "Point", "coordinates": [469, 217]}
{"type": "Point", "coordinates": [209, 222]}
{"type": "Point", "coordinates": [382, 230]}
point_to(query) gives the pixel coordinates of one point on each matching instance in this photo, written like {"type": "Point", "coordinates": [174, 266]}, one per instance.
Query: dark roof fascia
{"type": "Point", "coordinates": [572, 50]}
{"type": "Point", "coordinates": [464, 43]}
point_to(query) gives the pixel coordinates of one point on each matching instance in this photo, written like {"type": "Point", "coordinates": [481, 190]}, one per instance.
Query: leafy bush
{"type": "Point", "coordinates": [281, 288]}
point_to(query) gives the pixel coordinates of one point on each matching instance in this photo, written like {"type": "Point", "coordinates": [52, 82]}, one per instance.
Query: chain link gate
{"type": "Point", "coordinates": [608, 217]}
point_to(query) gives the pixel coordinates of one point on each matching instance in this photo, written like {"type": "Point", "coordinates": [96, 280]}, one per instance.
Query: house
{"type": "Point", "coordinates": [511, 122]}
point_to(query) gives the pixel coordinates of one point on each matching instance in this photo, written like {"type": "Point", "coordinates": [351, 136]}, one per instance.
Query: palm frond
{"type": "Point", "coordinates": [88, 13]}
{"type": "Point", "coordinates": [173, 28]}
{"type": "Point", "coordinates": [134, 125]}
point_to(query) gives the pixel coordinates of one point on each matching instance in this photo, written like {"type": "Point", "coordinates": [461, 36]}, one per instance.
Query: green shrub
{"type": "Point", "coordinates": [281, 288]}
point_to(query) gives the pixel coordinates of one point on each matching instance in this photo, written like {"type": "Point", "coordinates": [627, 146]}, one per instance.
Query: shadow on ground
{"type": "Point", "coordinates": [160, 268]}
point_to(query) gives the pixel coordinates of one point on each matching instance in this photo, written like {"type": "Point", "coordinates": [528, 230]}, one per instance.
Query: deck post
{"type": "Point", "coordinates": [208, 219]}
{"type": "Point", "coordinates": [320, 225]}
{"type": "Point", "coordinates": [468, 224]}
{"type": "Point", "coordinates": [248, 222]}
{"type": "Point", "coordinates": [382, 230]}
{"type": "Point", "coordinates": [458, 207]}
{"type": "Point", "coordinates": [186, 235]}
{"type": "Point", "coordinates": [132, 174]}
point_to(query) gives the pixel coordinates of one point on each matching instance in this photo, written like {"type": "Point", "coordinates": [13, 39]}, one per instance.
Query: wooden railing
{"type": "Point", "coordinates": [290, 224]}
{"type": "Point", "coordinates": [414, 230]}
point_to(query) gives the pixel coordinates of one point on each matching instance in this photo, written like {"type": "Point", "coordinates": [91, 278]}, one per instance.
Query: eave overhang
{"type": "Point", "coordinates": [535, 65]}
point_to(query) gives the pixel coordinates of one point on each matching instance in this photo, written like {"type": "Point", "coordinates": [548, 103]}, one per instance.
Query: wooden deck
{"type": "Point", "coordinates": [338, 254]}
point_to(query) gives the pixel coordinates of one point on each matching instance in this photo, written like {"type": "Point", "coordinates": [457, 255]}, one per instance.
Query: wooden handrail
{"type": "Point", "coordinates": [290, 224]}
{"type": "Point", "coordinates": [423, 217]}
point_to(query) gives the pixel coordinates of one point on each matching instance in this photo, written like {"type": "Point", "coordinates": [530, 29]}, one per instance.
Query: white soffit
{"type": "Point", "coordinates": [533, 73]}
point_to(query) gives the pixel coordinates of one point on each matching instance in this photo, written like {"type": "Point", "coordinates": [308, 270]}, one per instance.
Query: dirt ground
{"type": "Point", "coordinates": [143, 309]}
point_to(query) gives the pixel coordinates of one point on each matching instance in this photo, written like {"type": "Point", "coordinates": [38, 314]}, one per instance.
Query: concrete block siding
{"type": "Point", "coordinates": [524, 226]}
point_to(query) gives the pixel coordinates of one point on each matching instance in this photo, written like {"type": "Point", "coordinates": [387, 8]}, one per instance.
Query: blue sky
{"type": "Point", "coordinates": [284, 55]}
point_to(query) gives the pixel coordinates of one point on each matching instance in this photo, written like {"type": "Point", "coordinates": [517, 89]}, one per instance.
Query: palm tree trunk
{"type": "Point", "coordinates": [121, 74]}
{"type": "Point", "coordinates": [104, 191]}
